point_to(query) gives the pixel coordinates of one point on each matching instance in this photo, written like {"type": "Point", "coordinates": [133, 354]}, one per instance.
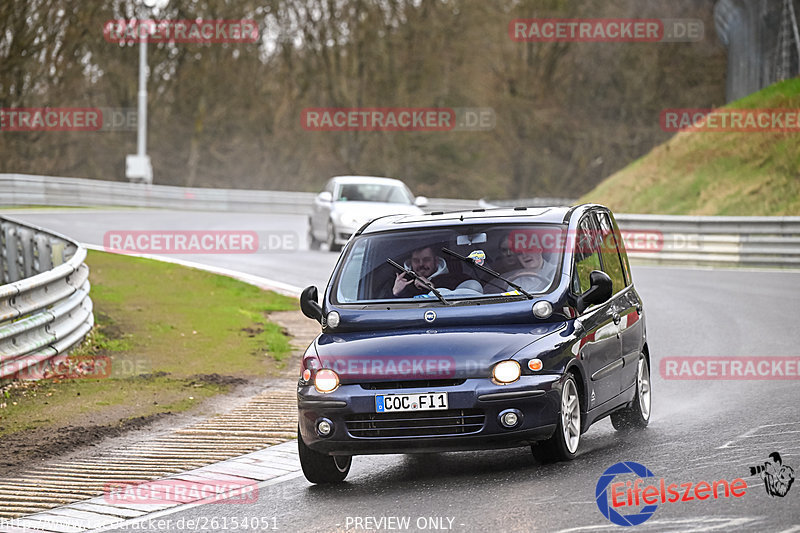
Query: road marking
{"type": "Point", "coordinates": [751, 433]}
{"type": "Point", "coordinates": [684, 525]}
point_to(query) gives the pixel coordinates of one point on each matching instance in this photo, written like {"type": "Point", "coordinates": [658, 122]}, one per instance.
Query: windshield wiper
{"type": "Point", "coordinates": [471, 261]}
{"type": "Point", "coordinates": [416, 276]}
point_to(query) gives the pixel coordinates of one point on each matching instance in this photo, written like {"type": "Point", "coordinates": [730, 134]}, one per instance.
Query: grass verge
{"type": "Point", "coordinates": [173, 336]}
{"type": "Point", "coordinates": [715, 173]}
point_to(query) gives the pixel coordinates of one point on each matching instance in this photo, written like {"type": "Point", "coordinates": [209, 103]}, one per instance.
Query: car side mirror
{"type": "Point", "coordinates": [599, 291]}
{"type": "Point", "coordinates": [325, 196]}
{"type": "Point", "coordinates": [421, 201]}
{"type": "Point", "coordinates": [309, 305]}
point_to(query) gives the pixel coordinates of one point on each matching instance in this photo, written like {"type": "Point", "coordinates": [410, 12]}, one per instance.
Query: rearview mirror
{"type": "Point", "coordinates": [421, 201]}
{"type": "Point", "coordinates": [599, 291]}
{"type": "Point", "coordinates": [309, 305]}
{"type": "Point", "coordinates": [325, 196]}
{"type": "Point", "coordinates": [464, 240]}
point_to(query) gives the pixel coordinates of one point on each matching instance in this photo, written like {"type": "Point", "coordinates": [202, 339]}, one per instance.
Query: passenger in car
{"type": "Point", "coordinates": [431, 266]}
{"type": "Point", "coordinates": [528, 267]}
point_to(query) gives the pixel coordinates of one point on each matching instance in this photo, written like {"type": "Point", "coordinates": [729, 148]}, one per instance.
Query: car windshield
{"type": "Point", "coordinates": [374, 192]}
{"type": "Point", "coordinates": [525, 255]}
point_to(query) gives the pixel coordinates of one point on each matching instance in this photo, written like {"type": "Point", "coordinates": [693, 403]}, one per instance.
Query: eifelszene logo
{"type": "Point", "coordinates": [627, 494]}
{"type": "Point", "coordinates": [601, 494]}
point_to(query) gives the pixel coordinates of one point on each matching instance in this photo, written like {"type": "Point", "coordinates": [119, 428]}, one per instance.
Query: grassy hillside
{"type": "Point", "coordinates": [712, 173]}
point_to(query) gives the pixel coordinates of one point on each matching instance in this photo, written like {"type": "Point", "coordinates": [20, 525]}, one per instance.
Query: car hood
{"type": "Point", "coordinates": [368, 210]}
{"type": "Point", "coordinates": [444, 353]}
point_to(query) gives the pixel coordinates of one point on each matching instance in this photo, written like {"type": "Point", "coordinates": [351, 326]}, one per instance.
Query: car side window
{"type": "Point", "coordinates": [586, 258]}
{"type": "Point", "coordinates": [612, 264]}
{"type": "Point", "coordinates": [622, 253]}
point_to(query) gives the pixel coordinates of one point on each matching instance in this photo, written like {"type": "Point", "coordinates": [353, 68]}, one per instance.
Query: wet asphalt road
{"type": "Point", "coordinates": [700, 430]}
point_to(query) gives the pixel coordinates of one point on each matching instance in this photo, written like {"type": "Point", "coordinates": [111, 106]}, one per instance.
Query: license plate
{"type": "Point", "coordinates": [393, 403]}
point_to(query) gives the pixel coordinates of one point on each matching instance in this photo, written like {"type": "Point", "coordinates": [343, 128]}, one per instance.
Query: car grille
{"type": "Point", "coordinates": [381, 385]}
{"type": "Point", "coordinates": [411, 424]}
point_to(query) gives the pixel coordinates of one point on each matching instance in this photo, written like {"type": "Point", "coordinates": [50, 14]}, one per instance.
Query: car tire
{"type": "Point", "coordinates": [636, 415]}
{"type": "Point", "coordinates": [563, 444]}
{"type": "Point", "coordinates": [320, 468]}
{"type": "Point", "coordinates": [313, 243]}
{"type": "Point", "coordinates": [331, 241]}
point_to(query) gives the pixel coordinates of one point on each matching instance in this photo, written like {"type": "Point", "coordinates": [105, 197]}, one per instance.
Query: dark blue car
{"type": "Point", "coordinates": [472, 330]}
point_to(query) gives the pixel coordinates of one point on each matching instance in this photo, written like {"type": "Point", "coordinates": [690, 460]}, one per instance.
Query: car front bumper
{"type": "Point", "coordinates": [471, 421]}
{"type": "Point", "coordinates": [342, 234]}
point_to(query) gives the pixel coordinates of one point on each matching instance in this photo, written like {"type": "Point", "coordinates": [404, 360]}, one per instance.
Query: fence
{"type": "Point", "coordinates": [762, 40]}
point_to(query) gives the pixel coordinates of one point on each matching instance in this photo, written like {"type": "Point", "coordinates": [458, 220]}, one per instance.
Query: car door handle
{"type": "Point", "coordinates": [616, 318]}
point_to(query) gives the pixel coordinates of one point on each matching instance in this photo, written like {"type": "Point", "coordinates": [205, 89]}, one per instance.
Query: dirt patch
{"type": "Point", "coordinates": [20, 449]}
{"type": "Point", "coordinates": [253, 332]}
{"type": "Point", "coordinates": [217, 379]}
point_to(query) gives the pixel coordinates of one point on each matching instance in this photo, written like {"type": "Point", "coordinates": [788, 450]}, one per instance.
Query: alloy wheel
{"type": "Point", "coordinates": [570, 416]}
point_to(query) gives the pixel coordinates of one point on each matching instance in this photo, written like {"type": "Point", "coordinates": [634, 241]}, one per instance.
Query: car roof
{"type": "Point", "coordinates": [366, 179]}
{"type": "Point", "coordinates": [503, 215]}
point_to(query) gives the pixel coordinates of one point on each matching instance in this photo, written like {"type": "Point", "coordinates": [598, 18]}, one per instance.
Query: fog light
{"type": "Point", "coordinates": [510, 418]}
{"type": "Point", "coordinates": [306, 375]}
{"type": "Point", "coordinates": [542, 309]}
{"type": "Point", "coordinates": [324, 427]}
{"type": "Point", "coordinates": [333, 319]}
{"type": "Point", "coordinates": [326, 380]}
{"type": "Point", "coordinates": [506, 371]}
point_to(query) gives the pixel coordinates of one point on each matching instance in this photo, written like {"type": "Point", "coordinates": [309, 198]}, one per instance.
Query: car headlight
{"type": "Point", "coordinates": [326, 380]}
{"type": "Point", "coordinates": [506, 372]}
{"type": "Point", "coordinates": [351, 221]}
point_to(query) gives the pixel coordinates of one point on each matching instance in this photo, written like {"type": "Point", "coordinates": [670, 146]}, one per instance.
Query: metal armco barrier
{"type": "Point", "coordinates": [24, 189]}
{"type": "Point", "coordinates": [712, 241]}
{"type": "Point", "coordinates": [45, 307]}
{"type": "Point", "coordinates": [684, 240]}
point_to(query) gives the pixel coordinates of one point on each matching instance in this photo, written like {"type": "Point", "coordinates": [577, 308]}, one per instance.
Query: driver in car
{"type": "Point", "coordinates": [429, 265]}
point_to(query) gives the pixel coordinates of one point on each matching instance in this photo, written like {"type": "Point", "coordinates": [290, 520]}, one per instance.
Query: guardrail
{"type": "Point", "coordinates": [713, 241]}
{"type": "Point", "coordinates": [701, 240]}
{"type": "Point", "coordinates": [45, 308]}
{"type": "Point", "coordinates": [684, 240]}
{"type": "Point", "coordinates": [24, 189]}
